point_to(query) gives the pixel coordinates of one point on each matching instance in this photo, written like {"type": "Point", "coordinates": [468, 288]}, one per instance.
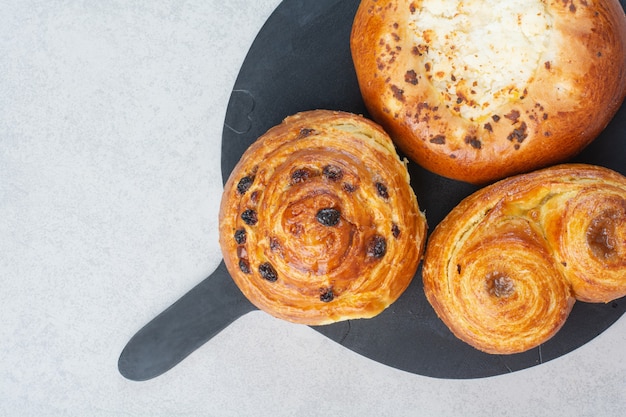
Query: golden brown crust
{"type": "Point", "coordinates": [575, 88]}
{"type": "Point", "coordinates": [318, 222]}
{"type": "Point", "coordinates": [503, 269]}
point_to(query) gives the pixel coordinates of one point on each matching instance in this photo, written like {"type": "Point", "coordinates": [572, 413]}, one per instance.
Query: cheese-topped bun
{"type": "Point", "coordinates": [318, 221]}
{"type": "Point", "coordinates": [477, 90]}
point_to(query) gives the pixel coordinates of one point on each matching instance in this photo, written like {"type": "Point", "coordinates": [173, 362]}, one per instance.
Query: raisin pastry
{"type": "Point", "coordinates": [479, 90]}
{"type": "Point", "coordinates": [318, 221]}
{"type": "Point", "coordinates": [504, 268]}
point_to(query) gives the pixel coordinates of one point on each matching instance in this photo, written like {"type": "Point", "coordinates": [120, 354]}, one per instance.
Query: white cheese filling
{"type": "Point", "coordinates": [479, 54]}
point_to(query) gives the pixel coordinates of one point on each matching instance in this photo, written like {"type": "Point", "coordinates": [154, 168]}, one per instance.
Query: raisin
{"type": "Point", "coordinates": [244, 266]}
{"type": "Point", "coordinates": [382, 190]}
{"type": "Point", "coordinates": [300, 175]}
{"type": "Point", "coordinates": [395, 230]}
{"type": "Point", "coordinates": [268, 272]}
{"type": "Point", "coordinates": [326, 294]}
{"type": "Point", "coordinates": [328, 216]}
{"type": "Point", "coordinates": [377, 247]}
{"type": "Point", "coordinates": [249, 217]}
{"type": "Point", "coordinates": [244, 184]}
{"type": "Point", "coordinates": [350, 188]}
{"type": "Point", "coordinates": [304, 132]}
{"type": "Point", "coordinates": [274, 244]}
{"type": "Point", "coordinates": [332, 172]}
{"type": "Point", "coordinates": [240, 236]}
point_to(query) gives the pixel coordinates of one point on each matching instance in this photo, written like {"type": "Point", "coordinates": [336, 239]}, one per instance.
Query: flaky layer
{"type": "Point", "coordinates": [503, 269]}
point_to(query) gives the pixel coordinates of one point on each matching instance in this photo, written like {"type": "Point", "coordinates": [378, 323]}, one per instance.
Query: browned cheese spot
{"type": "Point", "coordinates": [438, 140]}
{"type": "Point", "coordinates": [398, 93]}
{"type": "Point", "coordinates": [411, 77]}
{"type": "Point", "coordinates": [513, 116]}
{"type": "Point", "coordinates": [473, 141]}
{"type": "Point", "coordinates": [518, 135]}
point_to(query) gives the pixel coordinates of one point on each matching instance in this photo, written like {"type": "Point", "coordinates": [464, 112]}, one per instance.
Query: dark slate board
{"type": "Point", "coordinates": [300, 61]}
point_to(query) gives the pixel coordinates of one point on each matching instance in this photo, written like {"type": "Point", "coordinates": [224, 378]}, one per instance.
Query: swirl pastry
{"type": "Point", "coordinates": [318, 222]}
{"type": "Point", "coordinates": [479, 90]}
{"type": "Point", "coordinates": [504, 268]}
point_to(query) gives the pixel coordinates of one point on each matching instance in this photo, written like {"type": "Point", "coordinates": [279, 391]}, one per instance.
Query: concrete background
{"type": "Point", "coordinates": [111, 116]}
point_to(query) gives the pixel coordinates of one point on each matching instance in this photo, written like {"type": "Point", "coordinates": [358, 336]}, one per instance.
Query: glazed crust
{"type": "Point", "coordinates": [504, 268]}
{"type": "Point", "coordinates": [318, 221]}
{"type": "Point", "coordinates": [575, 89]}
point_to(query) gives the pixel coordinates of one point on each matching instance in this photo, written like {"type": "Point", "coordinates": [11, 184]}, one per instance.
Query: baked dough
{"type": "Point", "coordinates": [478, 90]}
{"type": "Point", "coordinates": [504, 268]}
{"type": "Point", "coordinates": [318, 221]}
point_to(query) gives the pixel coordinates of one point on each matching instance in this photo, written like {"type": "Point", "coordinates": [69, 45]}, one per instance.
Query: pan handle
{"type": "Point", "coordinates": [196, 317]}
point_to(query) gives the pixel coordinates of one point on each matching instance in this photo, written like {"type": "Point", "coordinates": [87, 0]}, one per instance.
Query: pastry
{"type": "Point", "coordinates": [504, 268]}
{"type": "Point", "coordinates": [479, 90]}
{"type": "Point", "coordinates": [318, 221]}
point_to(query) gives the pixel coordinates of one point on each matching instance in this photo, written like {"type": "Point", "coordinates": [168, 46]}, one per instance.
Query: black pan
{"type": "Point", "coordinates": [300, 61]}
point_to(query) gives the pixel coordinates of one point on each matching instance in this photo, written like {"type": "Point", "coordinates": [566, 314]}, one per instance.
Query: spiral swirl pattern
{"type": "Point", "coordinates": [318, 222]}
{"type": "Point", "coordinates": [504, 268]}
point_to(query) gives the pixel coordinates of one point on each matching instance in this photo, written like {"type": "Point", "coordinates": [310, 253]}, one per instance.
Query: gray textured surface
{"type": "Point", "coordinates": [110, 124]}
